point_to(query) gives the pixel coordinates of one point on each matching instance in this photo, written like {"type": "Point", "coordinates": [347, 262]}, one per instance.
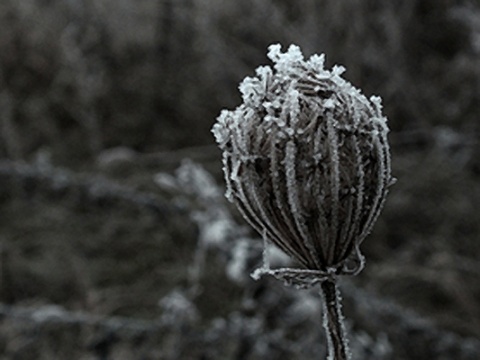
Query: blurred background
{"type": "Point", "coordinates": [115, 239]}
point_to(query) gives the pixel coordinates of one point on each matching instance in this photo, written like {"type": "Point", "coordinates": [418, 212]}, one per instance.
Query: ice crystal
{"type": "Point", "coordinates": [307, 162]}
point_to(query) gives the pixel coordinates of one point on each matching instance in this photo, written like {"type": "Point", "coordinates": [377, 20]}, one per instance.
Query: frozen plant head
{"type": "Point", "coordinates": [307, 162]}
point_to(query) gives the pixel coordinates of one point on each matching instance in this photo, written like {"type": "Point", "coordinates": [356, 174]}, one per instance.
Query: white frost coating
{"type": "Point", "coordinates": [338, 70]}
{"type": "Point", "coordinates": [220, 129]}
{"type": "Point", "coordinates": [285, 61]}
{"type": "Point", "coordinates": [293, 106]}
{"type": "Point", "coordinates": [329, 104]}
{"type": "Point", "coordinates": [252, 91]}
{"type": "Point", "coordinates": [306, 159]}
{"type": "Point", "coordinates": [317, 62]}
{"type": "Point", "coordinates": [377, 102]}
{"type": "Point", "coordinates": [265, 75]}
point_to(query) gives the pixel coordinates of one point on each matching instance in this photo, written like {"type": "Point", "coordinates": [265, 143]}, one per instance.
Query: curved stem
{"type": "Point", "coordinates": [333, 322]}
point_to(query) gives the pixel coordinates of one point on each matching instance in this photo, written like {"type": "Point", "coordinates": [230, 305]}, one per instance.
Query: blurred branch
{"type": "Point", "coordinates": [404, 326]}
{"type": "Point", "coordinates": [195, 153]}
{"type": "Point", "coordinates": [88, 187]}
{"type": "Point", "coordinates": [53, 314]}
{"type": "Point", "coordinates": [439, 135]}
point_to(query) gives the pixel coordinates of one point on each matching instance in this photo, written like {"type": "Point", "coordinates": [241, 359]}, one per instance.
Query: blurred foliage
{"type": "Point", "coordinates": [96, 97]}
{"type": "Point", "coordinates": [154, 74]}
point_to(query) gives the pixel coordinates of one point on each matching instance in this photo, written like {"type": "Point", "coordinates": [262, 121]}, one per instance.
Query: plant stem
{"type": "Point", "coordinates": [333, 322]}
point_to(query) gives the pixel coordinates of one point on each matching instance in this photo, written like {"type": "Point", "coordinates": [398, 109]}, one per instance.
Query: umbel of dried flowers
{"type": "Point", "coordinates": [307, 162]}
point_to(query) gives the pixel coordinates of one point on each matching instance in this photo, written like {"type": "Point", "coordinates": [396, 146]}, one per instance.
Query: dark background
{"type": "Point", "coordinates": [97, 98]}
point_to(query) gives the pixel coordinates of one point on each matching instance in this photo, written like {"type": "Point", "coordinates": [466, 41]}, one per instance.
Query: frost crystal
{"type": "Point", "coordinates": [307, 162]}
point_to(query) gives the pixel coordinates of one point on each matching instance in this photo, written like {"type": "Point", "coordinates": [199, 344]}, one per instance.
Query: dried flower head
{"type": "Point", "coordinates": [307, 162]}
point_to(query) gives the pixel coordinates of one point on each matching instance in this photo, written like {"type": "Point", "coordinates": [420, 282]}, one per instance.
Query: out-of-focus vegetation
{"type": "Point", "coordinates": [108, 252]}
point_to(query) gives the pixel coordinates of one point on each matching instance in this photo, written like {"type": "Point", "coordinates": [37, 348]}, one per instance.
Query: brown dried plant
{"type": "Point", "coordinates": [307, 163]}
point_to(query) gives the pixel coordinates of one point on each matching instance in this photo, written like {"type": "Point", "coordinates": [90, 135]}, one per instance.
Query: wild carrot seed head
{"type": "Point", "coordinates": [306, 160]}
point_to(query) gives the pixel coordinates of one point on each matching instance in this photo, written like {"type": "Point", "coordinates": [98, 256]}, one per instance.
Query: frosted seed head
{"type": "Point", "coordinates": [306, 160]}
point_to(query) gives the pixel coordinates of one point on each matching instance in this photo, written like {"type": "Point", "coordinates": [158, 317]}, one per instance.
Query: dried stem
{"type": "Point", "coordinates": [333, 322]}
